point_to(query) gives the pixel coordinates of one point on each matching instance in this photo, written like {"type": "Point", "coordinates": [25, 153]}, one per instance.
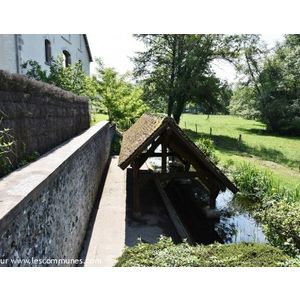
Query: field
{"type": "Point", "coordinates": [98, 118]}
{"type": "Point", "coordinates": [279, 154]}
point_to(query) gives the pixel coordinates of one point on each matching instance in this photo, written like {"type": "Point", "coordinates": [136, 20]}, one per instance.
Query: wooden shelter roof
{"type": "Point", "coordinates": [149, 127]}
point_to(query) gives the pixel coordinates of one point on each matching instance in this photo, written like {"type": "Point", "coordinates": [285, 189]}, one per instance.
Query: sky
{"type": "Point", "coordinates": [116, 50]}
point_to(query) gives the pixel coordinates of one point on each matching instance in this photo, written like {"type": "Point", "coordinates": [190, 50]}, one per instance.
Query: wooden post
{"type": "Point", "coordinates": [187, 166]}
{"type": "Point", "coordinates": [136, 191]}
{"type": "Point", "coordinates": [213, 196]}
{"type": "Point", "coordinates": [185, 125]}
{"type": "Point", "coordinates": [210, 132]}
{"type": "Point", "coordinates": [239, 141]}
{"type": "Point", "coordinates": [164, 154]}
{"type": "Point", "coordinates": [196, 127]}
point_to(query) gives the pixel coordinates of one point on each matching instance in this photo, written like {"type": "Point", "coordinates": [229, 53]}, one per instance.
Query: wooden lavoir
{"type": "Point", "coordinates": [142, 139]}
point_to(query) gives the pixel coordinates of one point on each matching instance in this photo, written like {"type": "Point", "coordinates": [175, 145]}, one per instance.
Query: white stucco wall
{"type": "Point", "coordinates": [32, 46]}
{"type": "Point", "coordinates": [8, 53]}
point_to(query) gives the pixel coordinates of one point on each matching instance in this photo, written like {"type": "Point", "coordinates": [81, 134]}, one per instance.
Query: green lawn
{"type": "Point", "coordinates": [96, 118]}
{"type": "Point", "coordinates": [280, 154]}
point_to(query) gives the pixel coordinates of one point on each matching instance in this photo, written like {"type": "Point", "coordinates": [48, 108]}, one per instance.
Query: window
{"type": "Point", "coordinates": [67, 57]}
{"type": "Point", "coordinates": [47, 51]}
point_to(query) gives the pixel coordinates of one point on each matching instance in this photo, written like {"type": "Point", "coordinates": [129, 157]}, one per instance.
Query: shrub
{"type": "Point", "coordinates": [278, 208]}
{"type": "Point", "coordinates": [282, 225]}
{"type": "Point", "coordinates": [6, 144]}
{"type": "Point", "coordinates": [166, 254]}
{"type": "Point", "coordinates": [252, 182]}
{"type": "Point", "coordinates": [207, 147]}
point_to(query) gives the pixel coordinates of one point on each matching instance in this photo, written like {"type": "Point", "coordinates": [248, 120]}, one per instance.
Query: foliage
{"type": "Point", "coordinates": [243, 103]}
{"type": "Point", "coordinates": [116, 144]}
{"type": "Point", "coordinates": [282, 225]}
{"type": "Point", "coordinates": [253, 182]}
{"type": "Point", "coordinates": [109, 92]}
{"type": "Point", "coordinates": [207, 147]}
{"type": "Point", "coordinates": [176, 68]}
{"type": "Point", "coordinates": [166, 254]}
{"type": "Point", "coordinates": [6, 144]}
{"type": "Point", "coordinates": [71, 78]}
{"type": "Point", "coordinates": [278, 208]}
{"type": "Point", "coordinates": [121, 98]}
{"type": "Point", "coordinates": [272, 78]}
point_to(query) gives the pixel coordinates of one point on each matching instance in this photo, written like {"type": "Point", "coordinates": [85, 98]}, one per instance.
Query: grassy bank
{"type": "Point", "coordinates": [279, 154]}
{"type": "Point", "coordinates": [166, 254]}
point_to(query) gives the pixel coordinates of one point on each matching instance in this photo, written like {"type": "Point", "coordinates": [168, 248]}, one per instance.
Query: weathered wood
{"type": "Point", "coordinates": [160, 154]}
{"type": "Point", "coordinates": [179, 140]}
{"type": "Point", "coordinates": [182, 231]}
{"type": "Point", "coordinates": [164, 153]}
{"type": "Point", "coordinates": [144, 156]}
{"type": "Point", "coordinates": [172, 175]}
{"type": "Point", "coordinates": [187, 166]}
{"type": "Point", "coordinates": [202, 174]}
{"type": "Point", "coordinates": [213, 196]}
{"type": "Point", "coordinates": [136, 191]}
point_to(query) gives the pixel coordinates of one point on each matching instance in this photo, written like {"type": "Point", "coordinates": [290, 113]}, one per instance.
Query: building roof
{"type": "Point", "coordinates": [88, 47]}
{"type": "Point", "coordinates": [148, 128]}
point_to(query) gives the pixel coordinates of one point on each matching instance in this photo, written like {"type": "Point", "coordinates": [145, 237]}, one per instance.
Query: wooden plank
{"type": "Point", "coordinates": [136, 191]}
{"type": "Point", "coordinates": [164, 153]}
{"type": "Point", "coordinates": [172, 175]}
{"type": "Point", "coordinates": [203, 175]}
{"type": "Point", "coordinates": [189, 147]}
{"type": "Point", "coordinates": [144, 156]}
{"type": "Point", "coordinates": [182, 231]}
{"type": "Point", "coordinates": [212, 197]}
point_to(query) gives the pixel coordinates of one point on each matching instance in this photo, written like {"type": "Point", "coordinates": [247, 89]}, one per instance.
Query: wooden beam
{"type": "Point", "coordinates": [136, 191]}
{"type": "Point", "coordinates": [182, 231]}
{"type": "Point", "coordinates": [202, 174]}
{"type": "Point", "coordinates": [144, 156]}
{"type": "Point", "coordinates": [164, 153]}
{"type": "Point", "coordinates": [213, 196]}
{"type": "Point", "coordinates": [206, 177]}
{"type": "Point", "coordinates": [160, 154]}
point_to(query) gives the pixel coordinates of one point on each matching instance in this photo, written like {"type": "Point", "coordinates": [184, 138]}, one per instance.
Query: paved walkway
{"type": "Point", "coordinates": [112, 226]}
{"type": "Point", "coordinates": [108, 234]}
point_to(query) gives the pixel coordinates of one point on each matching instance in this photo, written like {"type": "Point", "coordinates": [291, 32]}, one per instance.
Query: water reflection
{"type": "Point", "coordinates": [189, 197]}
{"type": "Point", "coordinates": [236, 223]}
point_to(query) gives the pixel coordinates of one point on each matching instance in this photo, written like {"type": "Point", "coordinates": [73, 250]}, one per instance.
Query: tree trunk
{"type": "Point", "coordinates": [172, 79]}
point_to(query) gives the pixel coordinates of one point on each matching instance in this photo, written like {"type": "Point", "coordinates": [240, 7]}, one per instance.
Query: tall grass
{"type": "Point", "coordinates": [278, 208]}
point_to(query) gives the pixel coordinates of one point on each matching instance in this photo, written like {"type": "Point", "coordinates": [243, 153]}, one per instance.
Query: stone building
{"type": "Point", "coordinates": [15, 49]}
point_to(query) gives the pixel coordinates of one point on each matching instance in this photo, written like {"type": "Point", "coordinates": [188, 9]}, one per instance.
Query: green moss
{"type": "Point", "coordinates": [166, 254]}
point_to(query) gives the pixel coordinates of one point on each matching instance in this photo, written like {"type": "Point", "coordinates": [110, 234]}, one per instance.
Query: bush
{"type": "Point", "coordinates": [207, 147]}
{"type": "Point", "coordinates": [277, 209]}
{"type": "Point", "coordinates": [252, 182]}
{"type": "Point", "coordinates": [282, 225]}
{"type": "Point", "coordinates": [6, 144]}
{"type": "Point", "coordinates": [166, 254]}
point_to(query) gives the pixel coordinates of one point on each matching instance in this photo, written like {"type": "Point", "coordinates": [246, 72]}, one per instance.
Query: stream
{"type": "Point", "coordinates": [235, 223]}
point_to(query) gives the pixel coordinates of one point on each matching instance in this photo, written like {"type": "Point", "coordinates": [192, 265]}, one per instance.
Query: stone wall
{"type": "Point", "coordinates": [39, 115]}
{"type": "Point", "coordinates": [45, 206]}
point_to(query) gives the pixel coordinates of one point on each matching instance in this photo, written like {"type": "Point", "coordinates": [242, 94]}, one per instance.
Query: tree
{"type": "Point", "coordinates": [108, 90]}
{"type": "Point", "coordinates": [71, 78]}
{"type": "Point", "coordinates": [177, 66]}
{"type": "Point", "coordinates": [271, 80]}
{"type": "Point", "coordinates": [243, 103]}
{"type": "Point", "coordinates": [122, 99]}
